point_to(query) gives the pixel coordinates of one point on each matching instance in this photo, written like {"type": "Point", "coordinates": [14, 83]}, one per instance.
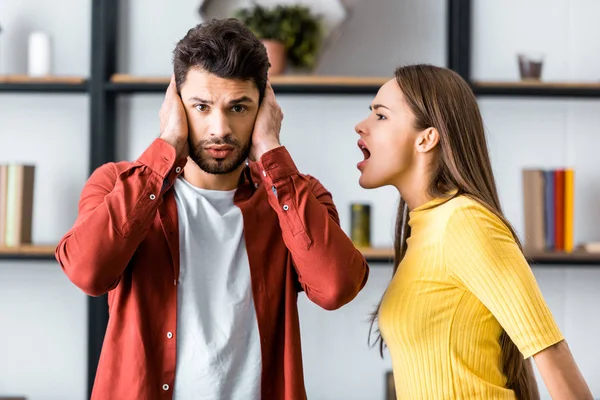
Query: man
{"type": "Point", "coordinates": [202, 253]}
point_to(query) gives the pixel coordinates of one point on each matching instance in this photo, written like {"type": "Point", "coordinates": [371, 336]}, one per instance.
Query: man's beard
{"type": "Point", "coordinates": [214, 166]}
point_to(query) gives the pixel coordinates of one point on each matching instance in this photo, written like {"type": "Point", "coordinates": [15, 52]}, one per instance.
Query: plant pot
{"type": "Point", "coordinates": [277, 56]}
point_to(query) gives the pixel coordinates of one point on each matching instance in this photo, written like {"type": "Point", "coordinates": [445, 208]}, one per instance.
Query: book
{"type": "Point", "coordinates": [533, 203]}
{"type": "Point", "coordinates": [559, 209]}
{"type": "Point", "coordinates": [19, 205]}
{"type": "Point", "coordinates": [3, 197]}
{"type": "Point", "coordinates": [569, 209]}
{"type": "Point", "coordinates": [549, 209]}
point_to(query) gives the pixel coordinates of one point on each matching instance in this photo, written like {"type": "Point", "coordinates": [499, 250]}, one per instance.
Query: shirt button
{"type": "Point", "coordinates": [152, 196]}
{"type": "Point", "coordinates": [169, 335]}
{"type": "Point", "coordinates": [165, 387]}
{"type": "Point", "coordinates": [285, 207]}
{"type": "Point", "coordinates": [178, 169]}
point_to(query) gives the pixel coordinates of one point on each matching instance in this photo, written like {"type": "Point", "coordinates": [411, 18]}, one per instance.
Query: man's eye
{"type": "Point", "coordinates": [238, 108]}
{"type": "Point", "coordinates": [201, 107]}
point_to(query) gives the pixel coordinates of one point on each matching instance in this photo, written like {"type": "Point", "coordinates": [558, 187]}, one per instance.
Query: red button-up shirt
{"type": "Point", "coordinates": [125, 242]}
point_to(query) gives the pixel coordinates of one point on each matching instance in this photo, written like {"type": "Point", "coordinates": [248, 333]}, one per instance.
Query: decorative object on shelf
{"type": "Point", "coordinates": [390, 388]}
{"type": "Point", "coordinates": [360, 222]}
{"type": "Point", "coordinates": [334, 15]}
{"type": "Point", "coordinates": [530, 65]}
{"type": "Point", "coordinates": [39, 54]}
{"type": "Point", "coordinates": [277, 56]}
{"type": "Point", "coordinates": [590, 247]}
{"type": "Point", "coordinates": [548, 205]}
{"type": "Point", "coordinates": [16, 204]}
{"type": "Point", "coordinates": [289, 32]}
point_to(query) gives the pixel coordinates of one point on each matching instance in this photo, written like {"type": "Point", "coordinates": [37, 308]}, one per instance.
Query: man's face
{"type": "Point", "coordinates": [220, 114]}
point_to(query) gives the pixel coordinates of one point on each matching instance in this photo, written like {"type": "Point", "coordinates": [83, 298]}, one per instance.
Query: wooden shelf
{"type": "Point", "coordinates": [48, 84]}
{"type": "Point", "coordinates": [560, 258]}
{"type": "Point", "coordinates": [373, 255]}
{"type": "Point", "coordinates": [378, 255]}
{"type": "Point", "coordinates": [577, 258]}
{"type": "Point", "coordinates": [27, 252]}
{"type": "Point", "coordinates": [534, 88]}
{"type": "Point", "coordinates": [286, 84]}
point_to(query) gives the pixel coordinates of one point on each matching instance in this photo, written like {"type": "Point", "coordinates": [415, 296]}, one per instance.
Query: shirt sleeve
{"type": "Point", "coordinates": [483, 258]}
{"type": "Point", "coordinates": [330, 270]}
{"type": "Point", "coordinates": [116, 210]}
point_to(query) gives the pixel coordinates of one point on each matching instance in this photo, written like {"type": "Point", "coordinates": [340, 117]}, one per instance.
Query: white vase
{"type": "Point", "coordinates": [39, 55]}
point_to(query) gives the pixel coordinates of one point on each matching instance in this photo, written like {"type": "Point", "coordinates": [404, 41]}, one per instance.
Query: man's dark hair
{"type": "Point", "coordinates": [224, 47]}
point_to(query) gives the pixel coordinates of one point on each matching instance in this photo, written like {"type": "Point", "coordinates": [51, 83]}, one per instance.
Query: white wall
{"type": "Point", "coordinates": [548, 133]}
{"type": "Point", "coordinates": [43, 317]}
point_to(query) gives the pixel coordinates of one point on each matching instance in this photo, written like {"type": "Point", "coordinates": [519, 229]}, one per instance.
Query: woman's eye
{"type": "Point", "coordinates": [380, 117]}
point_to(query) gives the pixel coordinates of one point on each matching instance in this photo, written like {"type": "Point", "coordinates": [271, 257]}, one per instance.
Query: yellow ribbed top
{"type": "Point", "coordinates": [462, 280]}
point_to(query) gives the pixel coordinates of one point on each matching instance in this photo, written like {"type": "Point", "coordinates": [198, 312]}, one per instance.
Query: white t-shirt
{"type": "Point", "coordinates": [218, 344]}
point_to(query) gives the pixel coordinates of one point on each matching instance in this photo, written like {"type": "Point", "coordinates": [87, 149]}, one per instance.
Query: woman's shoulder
{"type": "Point", "coordinates": [462, 204]}
{"type": "Point", "coordinates": [468, 211]}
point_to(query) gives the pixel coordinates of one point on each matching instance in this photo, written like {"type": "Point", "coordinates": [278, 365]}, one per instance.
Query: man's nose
{"type": "Point", "coordinates": [219, 125]}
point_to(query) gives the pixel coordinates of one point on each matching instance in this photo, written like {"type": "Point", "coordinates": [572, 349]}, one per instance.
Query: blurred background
{"type": "Point", "coordinates": [82, 81]}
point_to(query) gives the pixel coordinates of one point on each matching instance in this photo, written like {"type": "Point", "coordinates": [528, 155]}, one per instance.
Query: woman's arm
{"type": "Point", "coordinates": [561, 374]}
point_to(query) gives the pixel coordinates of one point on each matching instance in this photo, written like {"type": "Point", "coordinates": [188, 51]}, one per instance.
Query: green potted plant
{"type": "Point", "coordinates": [289, 32]}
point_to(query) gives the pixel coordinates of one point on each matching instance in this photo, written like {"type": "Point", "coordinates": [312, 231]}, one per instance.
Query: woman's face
{"type": "Point", "coordinates": [387, 140]}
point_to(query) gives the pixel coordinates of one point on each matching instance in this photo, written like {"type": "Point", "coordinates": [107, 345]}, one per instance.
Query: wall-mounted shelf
{"type": "Point", "coordinates": [27, 252]}
{"type": "Point", "coordinates": [49, 84]}
{"type": "Point", "coordinates": [576, 258]}
{"type": "Point", "coordinates": [378, 255]}
{"type": "Point", "coordinates": [538, 89]}
{"type": "Point", "coordinates": [286, 84]}
{"type": "Point", "coordinates": [373, 255]}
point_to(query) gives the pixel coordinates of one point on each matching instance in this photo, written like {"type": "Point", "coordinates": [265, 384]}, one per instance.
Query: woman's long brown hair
{"type": "Point", "coordinates": [441, 99]}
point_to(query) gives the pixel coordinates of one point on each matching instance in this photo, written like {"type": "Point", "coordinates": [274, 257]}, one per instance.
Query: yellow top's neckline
{"type": "Point", "coordinates": [435, 201]}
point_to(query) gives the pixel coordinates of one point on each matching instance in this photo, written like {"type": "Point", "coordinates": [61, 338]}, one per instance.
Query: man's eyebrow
{"type": "Point", "coordinates": [376, 106]}
{"type": "Point", "coordinates": [199, 100]}
{"type": "Point", "coordinates": [243, 99]}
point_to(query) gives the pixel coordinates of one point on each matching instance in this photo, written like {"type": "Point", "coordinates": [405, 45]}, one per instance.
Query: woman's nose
{"type": "Point", "coordinates": [359, 128]}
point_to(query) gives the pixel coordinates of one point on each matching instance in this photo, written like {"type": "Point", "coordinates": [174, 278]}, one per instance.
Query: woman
{"type": "Point", "coordinates": [463, 313]}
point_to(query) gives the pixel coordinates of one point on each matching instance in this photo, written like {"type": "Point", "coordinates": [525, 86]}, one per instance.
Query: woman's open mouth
{"type": "Point", "coordinates": [366, 153]}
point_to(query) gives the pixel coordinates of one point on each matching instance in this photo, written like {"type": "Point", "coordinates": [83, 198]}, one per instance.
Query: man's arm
{"type": "Point", "coordinates": [330, 269]}
{"type": "Point", "coordinates": [115, 213]}
{"type": "Point", "coordinates": [117, 209]}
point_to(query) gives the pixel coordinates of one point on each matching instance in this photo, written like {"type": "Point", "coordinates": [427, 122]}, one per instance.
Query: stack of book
{"type": "Point", "coordinates": [549, 209]}
{"type": "Point", "coordinates": [16, 204]}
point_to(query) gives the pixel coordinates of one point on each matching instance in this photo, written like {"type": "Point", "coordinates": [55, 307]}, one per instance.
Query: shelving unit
{"type": "Point", "coordinates": [104, 85]}
{"type": "Point", "coordinates": [576, 259]}
{"type": "Point", "coordinates": [27, 252]}
{"type": "Point", "coordinates": [297, 84]}
{"type": "Point", "coordinates": [372, 255]}
{"type": "Point", "coordinates": [538, 89]}
{"type": "Point", "coordinates": [51, 84]}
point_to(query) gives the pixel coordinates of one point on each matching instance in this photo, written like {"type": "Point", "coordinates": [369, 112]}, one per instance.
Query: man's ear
{"type": "Point", "coordinates": [427, 140]}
